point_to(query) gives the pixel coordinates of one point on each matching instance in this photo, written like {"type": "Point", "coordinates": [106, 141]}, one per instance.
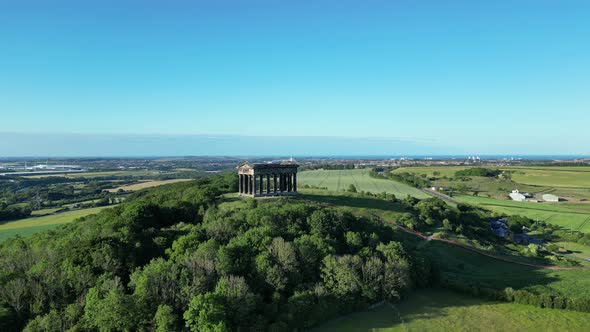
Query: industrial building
{"type": "Point", "coordinates": [550, 198]}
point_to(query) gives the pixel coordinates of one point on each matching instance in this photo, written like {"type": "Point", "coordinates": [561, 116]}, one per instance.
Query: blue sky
{"type": "Point", "coordinates": [421, 77]}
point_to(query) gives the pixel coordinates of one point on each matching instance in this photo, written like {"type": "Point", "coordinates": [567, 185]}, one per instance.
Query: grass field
{"type": "Point", "coordinates": [572, 177]}
{"type": "Point", "coordinates": [340, 180]}
{"type": "Point", "coordinates": [146, 184]}
{"type": "Point", "coordinates": [29, 226]}
{"type": "Point", "coordinates": [440, 310]}
{"type": "Point", "coordinates": [569, 216]}
{"type": "Point", "coordinates": [448, 171]}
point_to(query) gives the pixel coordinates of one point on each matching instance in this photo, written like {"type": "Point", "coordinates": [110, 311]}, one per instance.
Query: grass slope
{"type": "Point", "coordinates": [440, 310]}
{"type": "Point", "coordinates": [32, 225]}
{"type": "Point", "coordinates": [340, 180]}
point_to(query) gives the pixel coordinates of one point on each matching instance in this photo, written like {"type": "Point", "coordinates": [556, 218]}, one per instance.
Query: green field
{"type": "Point", "coordinates": [448, 171]}
{"type": "Point", "coordinates": [569, 216]}
{"type": "Point", "coordinates": [340, 180]}
{"type": "Point", "coordinates": [32, 225]}
{"type": "Point", "coordinates": [571, 177]}
{"type": "Point", "coordinates": [440, 310]}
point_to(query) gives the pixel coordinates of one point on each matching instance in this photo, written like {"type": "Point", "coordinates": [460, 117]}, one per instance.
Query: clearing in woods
{"type": "Point", "coordinates": [442, 310]}
{"type": "Point", "coordinates": [340, 180]}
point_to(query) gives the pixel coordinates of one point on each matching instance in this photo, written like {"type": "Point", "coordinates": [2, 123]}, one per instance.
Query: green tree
{"type": "Point", "coordinates": [165, 319]}
{"type": "Point", "coordinates": [108, 308]}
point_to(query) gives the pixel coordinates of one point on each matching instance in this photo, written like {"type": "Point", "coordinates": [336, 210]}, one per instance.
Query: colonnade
{"type": "Point", "coordinates": [275, 184]}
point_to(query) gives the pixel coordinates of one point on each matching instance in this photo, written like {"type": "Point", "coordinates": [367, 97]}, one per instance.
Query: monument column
{"type": "Point", "coordinates": [289, 182]}
{"type": "Point", "coordinates": [284, 182]}
{"type": "Point", "coordinates": [295, 182]}
{"type": "Point", "coordinates": [253, 179]}
{"type": "Point", "coordinates": [240, 183]}
{"type": "Point", "coordinates": [248, 185]}
{"type": "Point", "coordinates": [274, 177]}
{"type": "Point", "coordinates": [261, 184]}
{"type": "Point", "coordinates": [267, 184]}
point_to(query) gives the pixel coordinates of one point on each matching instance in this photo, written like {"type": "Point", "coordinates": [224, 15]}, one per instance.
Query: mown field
{"type": "Point", "coordinates": [32, 225]}
{"type": "Point", "coordinates": [441, 310]}
{"type": "Point", "coordinates": [340, 180]}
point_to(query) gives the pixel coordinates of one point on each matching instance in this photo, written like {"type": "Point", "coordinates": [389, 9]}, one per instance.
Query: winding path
{"type": "Point", "coordinates": [461, 245]}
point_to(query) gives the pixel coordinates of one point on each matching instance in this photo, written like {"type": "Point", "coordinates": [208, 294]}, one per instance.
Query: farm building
{"type": "Point", "coordinates": [516, 195]}
{"type": "Point", "coordinates": [550, 198]}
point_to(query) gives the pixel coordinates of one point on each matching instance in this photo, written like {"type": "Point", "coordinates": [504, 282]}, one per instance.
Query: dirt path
{"type": "Point", "coordinates": [461, 245]}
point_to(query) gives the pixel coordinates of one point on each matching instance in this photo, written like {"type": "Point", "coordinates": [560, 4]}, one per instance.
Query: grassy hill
{"type": "Point", "coordinates": [32, 225]}
{"type": "Point", "coordinates": [440, 310]}
{"type": "Point", "coordinates": [340, 180]}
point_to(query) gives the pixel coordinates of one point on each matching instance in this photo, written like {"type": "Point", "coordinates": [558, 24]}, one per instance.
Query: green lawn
{"type": "Point", "coordinates": [568, 216]}
{"type": "Point", "coordinates": [340, 180]}
{"type": "Point", "coordinates": [31, 225]}
{"type": "Point", "coordinates": [441, 310]}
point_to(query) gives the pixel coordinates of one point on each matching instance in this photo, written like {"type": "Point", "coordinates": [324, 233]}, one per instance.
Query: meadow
{"type": "Point", "coordinates": [442, 310]}
{"type": "Point", "coordinates": [32, 225]}
{"type": "Point", "coordinates": [340, 180]}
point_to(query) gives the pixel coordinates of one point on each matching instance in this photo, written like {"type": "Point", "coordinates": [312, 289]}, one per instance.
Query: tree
{"type": "Point", "coordinates": [156, 283]}
{"type": "Point", "coordinates": [165, 319]}
{"type": "Point", "coordinates": [342, 275]}
{"type": "Point", "coordinates": [206, 313]}
{"type": "Point", "coordinates": [352, 188]}
{"type": "Point", "coordinates": [228, 308]}
{"type": "Point", "coordinates": [108, 308]}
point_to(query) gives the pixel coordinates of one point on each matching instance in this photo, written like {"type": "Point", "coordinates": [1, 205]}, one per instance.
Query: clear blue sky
{"type": "Point", "coordinates": [430, 77]}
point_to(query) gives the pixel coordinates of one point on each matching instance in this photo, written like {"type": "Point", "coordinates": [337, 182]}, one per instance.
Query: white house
{"type": "Point", "coordinates": [516, 195]}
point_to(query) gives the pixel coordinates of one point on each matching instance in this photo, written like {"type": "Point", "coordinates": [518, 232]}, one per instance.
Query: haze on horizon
{"type": "Point", "coordinates": [302, 78]}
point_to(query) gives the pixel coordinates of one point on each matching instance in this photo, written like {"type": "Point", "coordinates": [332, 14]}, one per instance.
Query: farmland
{"type": "Point", "coordinates": [32, 225]}
{"type": "Point", "coordinates": [572, 177]}
{"type": "Point", "coordinates": [572, 184]}
{"type": "Point", "coordinates": [340, 180]}
{"type": "Point", "coordinates": [570, 216]}
{"type": "Point", "coordinates": [146, 184]}
{"type": "Point", "coordinates": [440, 310]}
